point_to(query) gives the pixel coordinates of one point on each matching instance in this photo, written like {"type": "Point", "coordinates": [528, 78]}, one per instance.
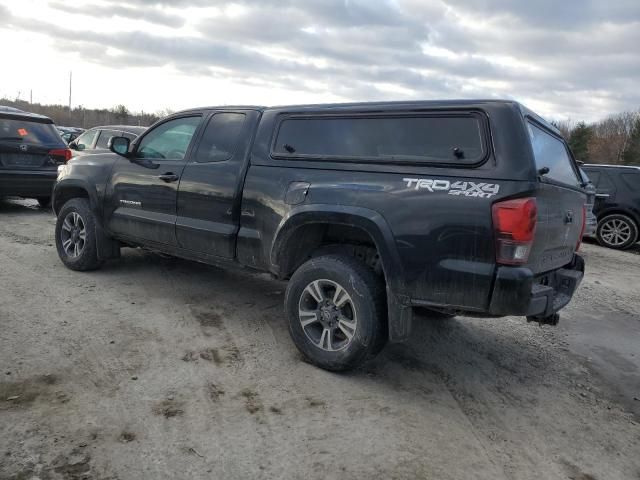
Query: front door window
{"type": "Point", "coordinates": [170, 140]}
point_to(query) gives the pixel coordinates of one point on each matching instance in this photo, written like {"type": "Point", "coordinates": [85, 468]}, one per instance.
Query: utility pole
{"type": "Point", "coordinates": [31, 96]}
{"type": "Point", "coordinates": [70, 115]}
{"type": "Point", "coordinates": [70, 77]}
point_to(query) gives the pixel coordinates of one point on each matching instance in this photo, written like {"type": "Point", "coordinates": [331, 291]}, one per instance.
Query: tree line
{"type": "Point", "coordinates": [614, 140]}
{"type": "Point", "coordinates": [87, 117]}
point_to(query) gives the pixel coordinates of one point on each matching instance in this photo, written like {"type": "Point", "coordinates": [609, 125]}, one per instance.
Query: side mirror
{"type": "Point", "coordinates": [73, 145]}
{"type": "Point", "coordinates": [119, 145]}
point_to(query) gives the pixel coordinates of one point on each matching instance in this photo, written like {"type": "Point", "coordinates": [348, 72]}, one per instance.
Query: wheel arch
{"type": "Point", "coordinates": [296, 235]}
{"type": "Point", "coordinates": [67, 189]}
{"type": "Point", "coordinates": [73, 188]}
{"type": "Point", "coordinates": [617, 210]}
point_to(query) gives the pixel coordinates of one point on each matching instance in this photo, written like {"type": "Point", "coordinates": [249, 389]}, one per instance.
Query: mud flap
{"type": "Point", "coordinates": [106, 247]}
{"type": "Point", "coordinates": [400, 317]}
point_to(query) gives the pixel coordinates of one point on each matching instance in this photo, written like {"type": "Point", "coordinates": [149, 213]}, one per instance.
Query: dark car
{"type": "Point", "coordinates": [95, 139]}
{"type": "Point", "coordinates": [369, 210]}
{"type": "Point", "coordinates": [617, 204]}
{"type": "Point", "coordinates": [69, 134]}
{"type": "Point", "coordinates": [30, 152]}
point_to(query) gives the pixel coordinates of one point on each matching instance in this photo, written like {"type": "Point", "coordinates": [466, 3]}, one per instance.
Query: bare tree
{"type": "Point", "coordinates": [83, 117]}
{"type": "Point", "coordinates": [565, 127]}
{"type": "Point", "coordinates": [611, 138]}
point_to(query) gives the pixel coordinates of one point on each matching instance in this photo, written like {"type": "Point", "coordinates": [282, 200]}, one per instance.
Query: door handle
{"type": "Point", "coordinates": [168, 177]}
{"type": "Point", "coordinates": [602, 195]}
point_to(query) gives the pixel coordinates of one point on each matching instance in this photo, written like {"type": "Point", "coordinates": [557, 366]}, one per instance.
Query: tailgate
{"type": "Point", "coordinates": [25, 145]}
{"type": "Point", "coordinates": [14, 159]}
{"type": "Point", "coordinates": [558, 228]}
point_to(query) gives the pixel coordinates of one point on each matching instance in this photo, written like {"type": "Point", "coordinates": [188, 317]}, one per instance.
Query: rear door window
{"type": "Point", "coordinates": [130, 136]}
{"type": "Point", "coordinates": [631, 180]}
{"type": "Point", "coordinates": [551, 152]}
{"type": "Point", "coordinates": [605, 184]}
{"type": "Point", "coordinates": [104, 137]}
{"type": "Point", "coordinates": [220, 138]}
{"type": "Point", "coordinates": [456, 139]}
{"type": "Point", "coordinates": [593, 176]}
{"type": "Point", "coordinates": [32, 133]}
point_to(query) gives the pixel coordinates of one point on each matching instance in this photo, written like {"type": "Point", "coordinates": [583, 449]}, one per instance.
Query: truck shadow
{"type": "Point", "coordinates": [635, 249]}
{"type": "Point", "coordinates": [460, 351]}
{"type": "Point", "coordinates": [22, 207]}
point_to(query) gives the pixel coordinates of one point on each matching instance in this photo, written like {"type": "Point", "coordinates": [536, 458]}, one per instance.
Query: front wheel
{"type": "Point", "coordinates": [617, 231]}
{"type": "Point", "coordinates": [76, 236]}
{"type": "Point", "coordinates": [335, 305]}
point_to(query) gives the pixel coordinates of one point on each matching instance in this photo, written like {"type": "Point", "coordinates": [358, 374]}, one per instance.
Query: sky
{"type": "Point", "coordinates": [565, 59]}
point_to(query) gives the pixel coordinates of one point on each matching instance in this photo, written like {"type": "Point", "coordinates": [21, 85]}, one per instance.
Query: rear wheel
{"type": "Point", "coordinates": [335, 305]}
{"type": "Point", "coordinates": [76, 236]}
{"type": "Point", "coordinates": [617, 231]}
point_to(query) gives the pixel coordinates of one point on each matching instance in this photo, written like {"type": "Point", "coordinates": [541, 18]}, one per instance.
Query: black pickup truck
{"type": "Point", "coordinates": [370, 210]}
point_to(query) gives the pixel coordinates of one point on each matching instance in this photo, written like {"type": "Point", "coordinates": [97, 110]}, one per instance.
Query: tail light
{"type": "Point", "coordinates": [514, 223]}
{"type": "Point", "coordinates": [60, 154]}
{"type": "Point", "coordinates": [584, 225]}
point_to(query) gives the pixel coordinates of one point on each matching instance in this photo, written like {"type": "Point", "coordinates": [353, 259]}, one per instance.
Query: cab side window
{"type": "Point", "coordinates": [220, 138]}
{"type": "Point", "coordinates": [170, 140]}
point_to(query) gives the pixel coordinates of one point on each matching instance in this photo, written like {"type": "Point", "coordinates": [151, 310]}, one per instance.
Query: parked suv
{"type": "Point", "coordinates": [617, 204]}
{"type": "Point", "coordinates": [30, 151]}
{"type": "Point", "coordinates": [369, 210]}
{"type": "Point", "coordinates": [95, 139]}
{"type": "Point", "coordinates": [591, 221]}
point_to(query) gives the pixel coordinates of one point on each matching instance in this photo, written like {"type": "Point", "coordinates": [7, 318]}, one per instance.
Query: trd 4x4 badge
{"type": "Point", "coordinates": [468, 189]}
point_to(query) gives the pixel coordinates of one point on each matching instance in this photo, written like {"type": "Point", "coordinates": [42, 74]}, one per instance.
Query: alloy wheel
{"type": "Point", "coordinates": [73, 235]}
{"type": "Point", "coordinates": [615, 232]}
{"type": "Point", "coordinates": [327, 315]}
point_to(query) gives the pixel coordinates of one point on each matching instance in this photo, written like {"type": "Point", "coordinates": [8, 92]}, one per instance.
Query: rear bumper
{"type": "Point", "coordinates": [25, 183]}
{"type": "Point", "coordinates": [518, 292]}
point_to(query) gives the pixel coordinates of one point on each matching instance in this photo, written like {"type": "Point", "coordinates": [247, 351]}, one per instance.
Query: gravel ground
{"type": "Point", "coordinates": [164, 369]}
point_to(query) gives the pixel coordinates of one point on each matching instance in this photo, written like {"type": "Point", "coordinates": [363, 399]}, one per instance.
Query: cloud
{"type": "Point", "coordinates": [577, 59]}
{"type": "Point", "coordinates": [150, 14]}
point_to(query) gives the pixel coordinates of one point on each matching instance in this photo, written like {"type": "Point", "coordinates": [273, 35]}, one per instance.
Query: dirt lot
{"type": "Point", "coordinates": [160, 368]}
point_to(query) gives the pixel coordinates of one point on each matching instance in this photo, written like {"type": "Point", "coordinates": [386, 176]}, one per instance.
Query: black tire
{"type": "Point", "coordinates": [44, 202]}
{"type": "Point", "coordinates": [87, 257]}
{"type": "Point", "coordinates": [624, 225]}
{"type": "Point", "coordinates": [367, 304]}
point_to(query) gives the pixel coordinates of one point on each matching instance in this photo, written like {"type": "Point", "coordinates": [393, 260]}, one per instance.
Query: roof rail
{"type": "Point", "coordinates": [587, 165]}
